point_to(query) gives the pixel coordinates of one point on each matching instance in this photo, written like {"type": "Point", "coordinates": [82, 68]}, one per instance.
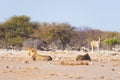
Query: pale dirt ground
{"type": "Point", "coordinates": [16, 65]}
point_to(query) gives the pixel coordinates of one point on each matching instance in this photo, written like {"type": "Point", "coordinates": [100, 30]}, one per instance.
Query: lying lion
{"type": "Point", "coordinates": [74, 63]}
{"type": "Point", "coordinates": [83, 57]}
{"type": "Point", "coordinates": [35, 56]}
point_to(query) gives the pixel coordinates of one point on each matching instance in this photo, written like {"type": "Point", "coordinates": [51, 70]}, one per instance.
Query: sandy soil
{"type": "Point", "coordinates": [16, 65]}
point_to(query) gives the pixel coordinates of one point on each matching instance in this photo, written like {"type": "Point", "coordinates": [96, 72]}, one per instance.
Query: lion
{"type": "Point", "coordinates": [35, 56]}
{"type": "Point", "coordinates": [83, 57]}
{"type": "Point", "coordinates": [72, 63]}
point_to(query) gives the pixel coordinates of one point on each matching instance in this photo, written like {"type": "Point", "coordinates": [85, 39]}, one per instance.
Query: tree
{"type": "Point", "coordinates": [16, 29]}
{"type": "Point", "coordinates": [20, 24]}
{"type": "Point", "coordinates": [44, 31]}
{"type": "Point", "coordinates": [62, 32]}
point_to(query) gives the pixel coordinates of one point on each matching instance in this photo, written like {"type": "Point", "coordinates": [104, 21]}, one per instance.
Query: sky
{"type": "Point", "coordinates": [96, 14]}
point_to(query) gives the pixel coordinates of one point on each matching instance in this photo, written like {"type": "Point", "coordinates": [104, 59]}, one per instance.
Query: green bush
{"type": "Point", "coordinates": [111, 41]}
